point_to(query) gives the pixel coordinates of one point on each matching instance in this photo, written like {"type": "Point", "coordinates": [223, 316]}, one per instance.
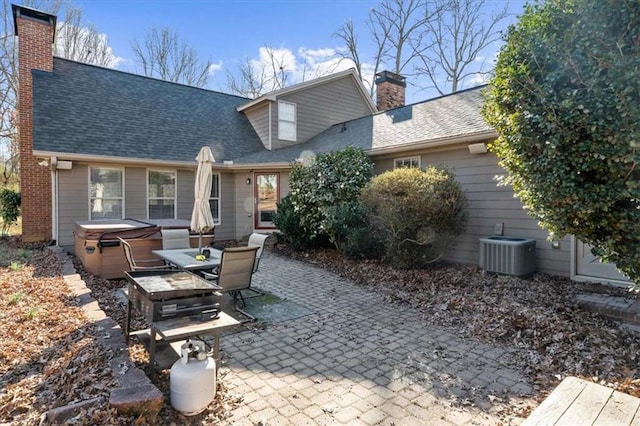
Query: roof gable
{"type": "Point", "coordinates": [276, 94]}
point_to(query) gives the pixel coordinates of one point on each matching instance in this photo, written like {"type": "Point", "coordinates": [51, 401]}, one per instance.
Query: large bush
{"type": "Point", "coordinates": [565, 101]}
{"type": "Point", "coordinates": [420, 212]}
{"type": "Point", "coordinates": [354, 233]}
{"type": "Point", "coordinates": [320, 185]}
{"type": "Point", "coordinates": [288, 223]}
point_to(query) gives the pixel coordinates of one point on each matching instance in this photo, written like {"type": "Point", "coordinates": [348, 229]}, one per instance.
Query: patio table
{"type": "Point", "coordinates": [186, 259]}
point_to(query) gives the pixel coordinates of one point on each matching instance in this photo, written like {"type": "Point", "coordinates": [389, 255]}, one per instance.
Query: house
{"type": "Point", "coordinates": [97, 143]}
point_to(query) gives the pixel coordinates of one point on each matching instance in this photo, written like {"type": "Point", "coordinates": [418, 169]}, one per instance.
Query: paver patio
{"type": "Point", "coordinates": [356, 359]}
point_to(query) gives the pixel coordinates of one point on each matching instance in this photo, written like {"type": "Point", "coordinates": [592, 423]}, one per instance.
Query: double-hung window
{"type": "Point", "coordinates": [286, 121]}
{"type": "Point", "coordinates": [161, 194]}
{"type": "Point", "coordinates": [214, 199]}
{"type": "Point", "coordinates": [407, 162]}
{"type": "Point", "coordinates": [106, 193]}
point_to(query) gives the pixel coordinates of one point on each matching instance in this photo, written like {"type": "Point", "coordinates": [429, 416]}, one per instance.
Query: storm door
{"type": "Point", "coordinates": [267, 190]}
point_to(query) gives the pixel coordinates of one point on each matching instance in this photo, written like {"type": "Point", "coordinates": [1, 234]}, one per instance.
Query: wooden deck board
{"type": "Point", "coordinates": [576, 401]}
{"type": "Point", "coordinates": [554, 406]}
{"type": "Point", "coordinates": [587, 407]}
{"type": "Point", "coordinates": [620, 410]}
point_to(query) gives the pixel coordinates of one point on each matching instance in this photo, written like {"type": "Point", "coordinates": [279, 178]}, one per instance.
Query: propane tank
{"type": "Point", "coordinates": [192, 380]}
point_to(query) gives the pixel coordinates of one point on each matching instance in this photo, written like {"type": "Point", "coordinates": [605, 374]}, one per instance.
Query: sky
{"type": "Point", "coordinates": [228, 33]}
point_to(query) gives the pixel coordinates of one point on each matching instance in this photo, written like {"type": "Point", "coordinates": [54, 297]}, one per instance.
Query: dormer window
{"type": "Point", "coordinates": [286, 121]}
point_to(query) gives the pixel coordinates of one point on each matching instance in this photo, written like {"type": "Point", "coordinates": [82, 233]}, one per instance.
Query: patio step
{"type": "Point", "coordinates": [622, 309]}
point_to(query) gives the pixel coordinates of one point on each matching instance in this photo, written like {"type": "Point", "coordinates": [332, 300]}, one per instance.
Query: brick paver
{"type": "Point", "coordinates": [359, 359]}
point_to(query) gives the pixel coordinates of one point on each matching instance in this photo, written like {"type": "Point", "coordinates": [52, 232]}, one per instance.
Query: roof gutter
{"type": "Point", "coordinates": [143, 161]}
{"type": "Point", "coordinates": [108, 159]}
{"type": "Point", "coordinates": [412, 146]}
{"type": "Point", "coordinates": [435, 143]}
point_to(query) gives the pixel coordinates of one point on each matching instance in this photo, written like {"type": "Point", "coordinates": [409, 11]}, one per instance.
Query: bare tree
{"type": "Point", "coordinates": [9, 149]}
{"type": "Point", "coordinates": [347, 34]}
{"type": "Point", "coordinates": [163, 55]}
{"type": "Point", "coordinates": [458, 36]}
{"type": "Point", "coordinates": [82, 43]}
{"type": "Point", "coordinates": [254, 78]}
{"type": "Point", "coordinates": [397, 30]}
{"type": "Point", "coordinates": [77, 42]}
{"type": "Point", "coordinates": [398, 26]}
{"type": "Point", "coordinates": [8, 90]}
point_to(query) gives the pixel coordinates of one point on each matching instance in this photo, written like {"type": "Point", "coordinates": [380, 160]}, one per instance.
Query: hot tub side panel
{"type": "Point", "coordinates": [100, 251]}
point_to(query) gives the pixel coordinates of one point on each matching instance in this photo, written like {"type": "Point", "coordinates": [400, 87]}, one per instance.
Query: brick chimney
{"type": "Point", "coordinates": [36, 32]}
{"type": "Point", "coordinates": [390, 88]}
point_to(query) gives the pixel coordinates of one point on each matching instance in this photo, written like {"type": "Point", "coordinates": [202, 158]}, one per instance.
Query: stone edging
{"type": "Point", "coordinates": [135, 395]}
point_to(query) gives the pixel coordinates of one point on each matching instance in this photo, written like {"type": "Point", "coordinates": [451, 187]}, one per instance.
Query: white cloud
{"type": "Point", "coordinates": [213, 68]}
{"type": "Point", "coordinates": [303, 64]}
{"type": "Point", "coordinates": [477, 79]}
{"type": "Point", "coordinates": [282, 58]}
{"type": "Point", "coordinates": [85, 44]}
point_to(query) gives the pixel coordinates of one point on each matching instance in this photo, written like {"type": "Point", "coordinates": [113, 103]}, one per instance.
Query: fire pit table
{"type": "Point", "coordinates": [177, 305]}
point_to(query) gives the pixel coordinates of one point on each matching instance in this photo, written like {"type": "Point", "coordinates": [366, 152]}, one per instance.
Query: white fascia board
{"type": "Point", "coordinates": [434, 143]}
{"type": "Point", "coordinates": [110, 159]}
{"type": "Point", "coordinates": [138, 161]}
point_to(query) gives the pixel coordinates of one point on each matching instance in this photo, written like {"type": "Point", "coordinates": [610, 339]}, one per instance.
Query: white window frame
{"type": "Point", "coordinates": [285, 122]}
{"type": "Point", "coordinates": [119, 169]}
{"type": "Point", "coordinates": [217, 220]}
{"type": "Point", "coordinates": [407, 162]}
{"type": "Point", "coordinates": [175, 192]}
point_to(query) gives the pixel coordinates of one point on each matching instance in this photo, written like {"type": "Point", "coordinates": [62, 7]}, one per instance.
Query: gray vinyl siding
{"type": "Point", "coordinates": [135, 193]}
{"type": "Point", "coordinates": [226, 229]}
{"type": "Point", "coordinates": [259, 119]}
{"type": "Point", "coordinates": [320, 107]}
{"type": "Point", "coordinates": [185, 193]}
{"type": "Point", "coordinates": [73, 201]}
{"type": "Point", "coordinates": [243, 204]}
{"type": "Point", "coordinates": [490, 204]}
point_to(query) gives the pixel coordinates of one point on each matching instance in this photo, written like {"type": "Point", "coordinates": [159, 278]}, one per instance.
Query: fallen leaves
{"type": "Point", "coordinates": [49, 354]}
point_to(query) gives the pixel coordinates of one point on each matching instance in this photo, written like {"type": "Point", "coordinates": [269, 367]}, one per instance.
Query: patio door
{"type": "Point", "coordinates": [267, 190]}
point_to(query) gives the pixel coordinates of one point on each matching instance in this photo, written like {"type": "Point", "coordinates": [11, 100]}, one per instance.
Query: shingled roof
{"type": "Point", "coordinates": [93, 111]}
{"type": "Point", "coordinates": [447, 119]}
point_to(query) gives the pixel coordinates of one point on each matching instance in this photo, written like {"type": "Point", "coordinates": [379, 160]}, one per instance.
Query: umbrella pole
{"type": "Point", "coordinates": [200, 243]}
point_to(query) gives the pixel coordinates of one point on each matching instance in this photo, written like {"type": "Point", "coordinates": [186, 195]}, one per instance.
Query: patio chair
{"type": "Point", "coordinates": [175, 239]}
{"type": "Point", "coordinates": [257, 240]}
{"type": "Point", "coordinates": [141, 265]}
{"type": "Point", "coordinates": [235, 273]}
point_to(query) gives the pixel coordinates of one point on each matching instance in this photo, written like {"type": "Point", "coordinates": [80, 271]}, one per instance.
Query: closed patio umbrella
{"type": "Point", "coordinates": [201, 218]}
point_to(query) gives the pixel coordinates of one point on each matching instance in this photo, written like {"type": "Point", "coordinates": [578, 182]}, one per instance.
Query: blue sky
{"type": "Point", "coordinates": [229, 32]}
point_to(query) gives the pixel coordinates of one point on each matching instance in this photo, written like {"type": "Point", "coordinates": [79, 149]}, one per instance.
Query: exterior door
{"type": "Point", "coordinates": [590, 266]}
{"type": "Point", "coordinates": [267, 190]}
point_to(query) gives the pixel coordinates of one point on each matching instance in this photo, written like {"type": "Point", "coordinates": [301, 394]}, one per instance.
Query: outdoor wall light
{"type": "Point", "coordinates": [477, 148]}
{"type": "Point", "coordinates": [248, 181]}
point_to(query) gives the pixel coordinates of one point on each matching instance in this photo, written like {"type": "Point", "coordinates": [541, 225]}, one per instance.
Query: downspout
{"type": "Point", "coordinates": [54, 200]}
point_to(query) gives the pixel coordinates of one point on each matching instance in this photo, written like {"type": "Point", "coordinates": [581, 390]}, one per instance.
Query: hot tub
{"type": "Point", "coordinates": [97, 246]}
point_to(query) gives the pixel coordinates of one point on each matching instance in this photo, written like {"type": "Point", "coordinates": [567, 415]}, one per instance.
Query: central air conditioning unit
{"type": "Point", "coordinates": [508, 255]}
